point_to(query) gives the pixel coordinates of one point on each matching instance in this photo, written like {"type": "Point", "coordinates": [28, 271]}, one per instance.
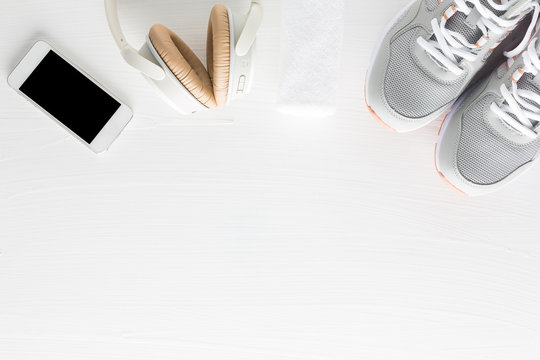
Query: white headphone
{"type": "Point", "coordinates": [177, 73]}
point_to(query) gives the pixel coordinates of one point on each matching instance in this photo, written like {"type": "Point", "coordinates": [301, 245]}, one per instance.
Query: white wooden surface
{"type": "Point", "coordinates": [266, 238]}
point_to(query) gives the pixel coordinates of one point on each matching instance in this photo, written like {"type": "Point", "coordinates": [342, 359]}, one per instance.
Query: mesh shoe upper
{"type": "Point", "coordinates": [432, 4]}
{"type": "Point", "coordinates": [409, 90]}
{"type": "Point", "coordinates": [483, 156]}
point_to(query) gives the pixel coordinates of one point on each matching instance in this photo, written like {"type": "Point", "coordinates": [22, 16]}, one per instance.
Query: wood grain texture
{"type": "Point", "coordinates": [243, 234]}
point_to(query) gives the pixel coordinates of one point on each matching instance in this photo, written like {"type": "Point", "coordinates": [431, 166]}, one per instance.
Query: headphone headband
{"type": "Point", "coordinates": [133, 58]}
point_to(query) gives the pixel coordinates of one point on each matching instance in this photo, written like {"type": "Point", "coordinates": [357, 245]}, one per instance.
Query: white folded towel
{"type": "Point", "coordinates": [312, 43]}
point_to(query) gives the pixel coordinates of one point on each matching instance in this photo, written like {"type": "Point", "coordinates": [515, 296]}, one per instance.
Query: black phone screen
{"type": "Point", "coordinates": [70, 97]}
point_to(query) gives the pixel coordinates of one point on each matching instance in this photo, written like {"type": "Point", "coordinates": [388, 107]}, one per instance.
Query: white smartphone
{"type": "Point", "coordinates": [68, 95]}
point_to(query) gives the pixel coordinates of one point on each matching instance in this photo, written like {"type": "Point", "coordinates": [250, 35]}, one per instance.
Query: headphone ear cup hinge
{"type": "Point", "coordinates": [145, 66]}
{"type": "Point", "coordinates": [251, 29]}
{"type": "Point", "coordinates": [244, 30]}
{"type": "Point", "coordinates": [130, 55]}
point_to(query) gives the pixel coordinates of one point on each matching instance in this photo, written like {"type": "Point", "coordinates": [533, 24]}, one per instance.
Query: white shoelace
{"type": "Point", "coordinates": [449, 46]}
{"type": "Point", "coordinates": [521, 109]}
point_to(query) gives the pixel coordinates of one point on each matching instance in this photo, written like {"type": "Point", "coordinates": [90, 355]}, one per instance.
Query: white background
{"type": "Point", "coordinates": [263, 239]}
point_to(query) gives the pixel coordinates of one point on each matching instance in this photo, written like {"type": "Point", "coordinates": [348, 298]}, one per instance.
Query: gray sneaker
{"type": "Point", "coordinates": [430, 54]}
{"type": "Point", "coordinates": [491, 136]}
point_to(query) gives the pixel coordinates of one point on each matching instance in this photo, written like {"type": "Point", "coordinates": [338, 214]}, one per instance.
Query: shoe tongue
{"type": "Point", "coordinates": [466, 24]}
{"type": "Point", "coordinates": [492, 9]}
{"type": "Point", "coordinates": [529, 82]}
{"type": "Point", "coordinates": [460, 24]}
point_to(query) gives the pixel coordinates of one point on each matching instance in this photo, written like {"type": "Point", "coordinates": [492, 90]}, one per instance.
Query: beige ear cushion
{"type": "Point", "coordinates": [184, 64]}
{"type": "Point", "coordinates": [218, 52]}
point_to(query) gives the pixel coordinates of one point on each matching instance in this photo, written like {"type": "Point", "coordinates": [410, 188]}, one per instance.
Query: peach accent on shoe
{"type": "Point", "coordinates": [377, 117]}
{"type": "Point", "coordinates": [446, 181]}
